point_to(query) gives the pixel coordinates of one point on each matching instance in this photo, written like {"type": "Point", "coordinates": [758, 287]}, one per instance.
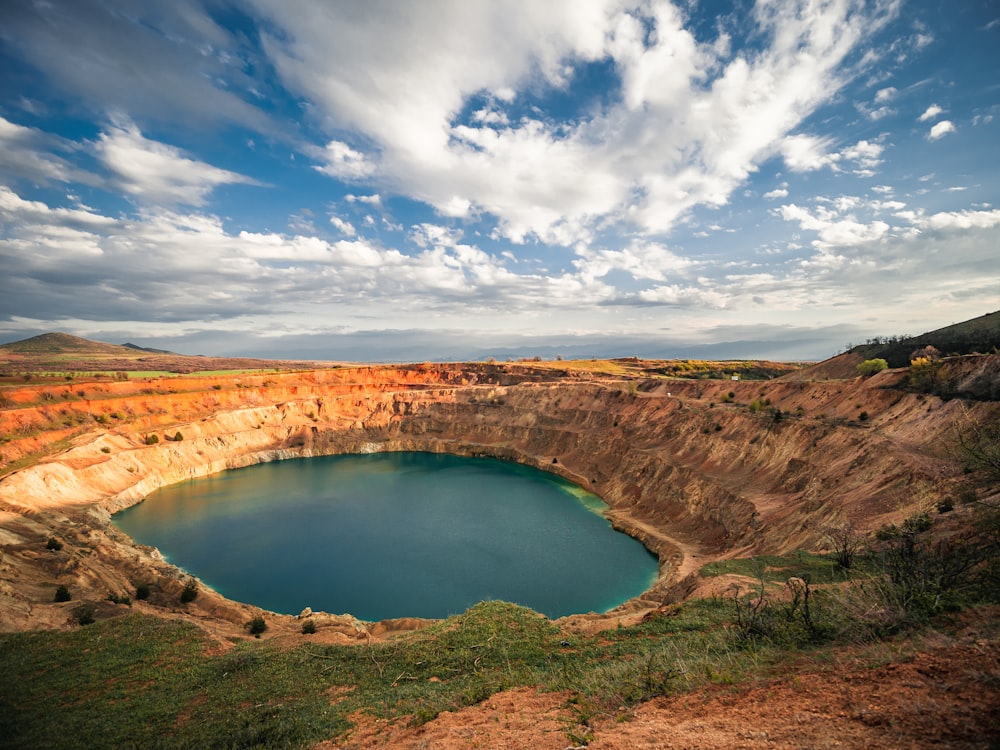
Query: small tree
{"type": "Point", "coordinates": [846, 543]}
{"type": "Point", "coordinates": [256, 626]}
{"type": "Point", "coordinates": [62, 594]}
{"type": "Point", "coordinates": [190, 591]}
{"type": "Point", "coordinates": [976, 442]}
{"type": "Point", "coordinates": [871, 366]}
{"type": "Point", "coordinates": [151, 439]}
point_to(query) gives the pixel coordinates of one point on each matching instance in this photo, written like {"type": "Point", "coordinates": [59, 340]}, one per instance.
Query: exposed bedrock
{"type": "Point", "coordinates": [692, 472]}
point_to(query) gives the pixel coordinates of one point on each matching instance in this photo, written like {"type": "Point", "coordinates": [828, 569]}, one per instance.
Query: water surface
{"type": "Point", "coordinates": [394, 535]}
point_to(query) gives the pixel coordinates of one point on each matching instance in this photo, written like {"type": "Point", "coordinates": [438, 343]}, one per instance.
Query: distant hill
{"type": "Point", "coordinates": [980, 335]}
{"type": "Point", "coordinates": [147, 349]}
{"type": "Point", "coordinates": [60, 353]}
{"type": "Point", "coordinates": [63, 343]}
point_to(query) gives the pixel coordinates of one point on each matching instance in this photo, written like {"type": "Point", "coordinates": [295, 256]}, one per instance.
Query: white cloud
{"type": "Point", "coordinates": [27, 153]}
{"type": "Point", "coordinates": [371, 200]}
{"type": "Point", "coordinates": [344, 227]}
{"type": "Point", "coordinates": [158, 173]}
{"type": "Point", "coordinates": [806, 153]}
{"type": "Point", "coordinates": [693, 122]}
{"type": "Point", "coordinates": [948, 220]}
{"type": "Point", "coordinates": [776, 193]}
{"type": "Point", "coordinates": [343, 162]}
{"type": "Point", "coordinates": [941, 129]}
{"type": "Point", "coordinates": [930, 113]}
{"type": "Point", "coordinates": [867, 155]}
{"type": "Point", "coordinates": [833, 229]}
{"type": "Point", "coordinates": [886, 94]}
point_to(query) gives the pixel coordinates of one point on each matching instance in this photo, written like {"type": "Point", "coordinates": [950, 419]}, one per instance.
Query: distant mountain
{"type": "Point", "coordinates": [63, 343]}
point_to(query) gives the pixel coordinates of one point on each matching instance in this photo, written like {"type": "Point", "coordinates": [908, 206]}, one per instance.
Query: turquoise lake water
{"type": "Point", "coordinates": [394, 535]}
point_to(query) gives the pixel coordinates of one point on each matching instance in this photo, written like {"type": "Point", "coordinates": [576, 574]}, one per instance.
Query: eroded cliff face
{"type": "Point", "coordinates": [688, 469]}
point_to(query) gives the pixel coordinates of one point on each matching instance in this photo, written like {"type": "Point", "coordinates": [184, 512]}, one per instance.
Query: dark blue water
{"type": "Point", "coordinates": [394, 535]}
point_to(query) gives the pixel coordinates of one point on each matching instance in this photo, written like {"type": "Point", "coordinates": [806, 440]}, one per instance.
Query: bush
{"type": "Point", "coordinates": [53, 544]}
{"type": "Point", "coordinates": [256, 626]}
{"type": "Point", "coordinates": [151, 439]}
{"type": "Point", "coordinates": [84, 613]}
{"type": "Point", "coordinates": [190, 591]}
{"type": "Point", "coordinates": [142, 591]}
{"type": "Point", "coordinates": [871, 366]}
{"type": "Point", "coordinates": [178, 437]}
{"type": "Point", "coordinates": [308, 627]}
{"type": "Point", "coordinates": [62, 594]}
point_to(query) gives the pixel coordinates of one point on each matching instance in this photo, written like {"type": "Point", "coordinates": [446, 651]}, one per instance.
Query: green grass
{"type": "Point", "coordinates": [139, 681]}
{"type": "Point", "coordinates": [774, 569]}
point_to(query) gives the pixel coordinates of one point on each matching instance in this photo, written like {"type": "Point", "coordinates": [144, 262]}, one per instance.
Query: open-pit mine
{"type": "Point", "coordinates": [695, 469]}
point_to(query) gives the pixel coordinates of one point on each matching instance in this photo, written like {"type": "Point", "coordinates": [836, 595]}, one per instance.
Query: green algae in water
{"type": "Point", "coordinates": [394, 535]}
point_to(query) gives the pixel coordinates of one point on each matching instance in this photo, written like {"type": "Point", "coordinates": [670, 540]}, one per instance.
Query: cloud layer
{"type": "Point", "coordinates": [597, 170]}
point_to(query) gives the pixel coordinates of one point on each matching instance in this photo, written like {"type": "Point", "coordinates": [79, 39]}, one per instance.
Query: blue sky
{"type": "Point", "coordinates": [457, 179]}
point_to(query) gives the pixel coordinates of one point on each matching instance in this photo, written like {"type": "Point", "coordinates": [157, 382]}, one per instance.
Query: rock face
{"type": "Point", "coordinates": [692, 471]}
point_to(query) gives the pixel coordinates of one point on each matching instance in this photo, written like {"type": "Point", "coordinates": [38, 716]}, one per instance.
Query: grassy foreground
{"type": "Point", "coordinates": [141, 681]}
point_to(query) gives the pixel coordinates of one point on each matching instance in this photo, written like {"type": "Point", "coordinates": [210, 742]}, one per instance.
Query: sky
{"type": "Point", "coordinates": [382, 180]}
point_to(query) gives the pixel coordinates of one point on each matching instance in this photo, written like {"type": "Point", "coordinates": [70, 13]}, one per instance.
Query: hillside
{"type": "Point", "coordinates": [979, 335]}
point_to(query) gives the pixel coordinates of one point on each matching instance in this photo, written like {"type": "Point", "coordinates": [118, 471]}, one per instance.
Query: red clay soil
{"type": "Point", "coordinates": [947, 695]}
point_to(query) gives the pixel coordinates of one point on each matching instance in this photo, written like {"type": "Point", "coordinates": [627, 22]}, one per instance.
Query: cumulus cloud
{"type": "Point", "coordinates": [833, 229]}
{"type": "Point", "coordinates": [940, 129]}
{"type": "Point", "coordinates": [930, 113]}
{"type": "Point", "coordinates": [342, 161]}
{"type": "Point", "coordinates": [886, 94]}
{"type": "Point", "coordinates": [806, 153]}
{"type": "Point", "coordinates": [158, 173]}
{"type": "Point", "coordinates": [401, 77]}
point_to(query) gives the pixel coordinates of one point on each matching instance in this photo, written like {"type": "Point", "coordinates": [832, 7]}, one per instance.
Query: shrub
{"type": "Point", "coordinates": [105, 449]}
{"type": "Point", "coordinates": [190, 591]}
{"type": "Point", "coordinates": [178, 437]}
{"type": "Point", "coordinates": [871, 366]}
{"type": "Point", "coordinates": [62, 594]}
{"type": "Point", "coordinates": [84, 613]}
{"type": "Point", "coordinates": [151, 439]}
{"type": "Point", "coordinates": [256, 626]}
{"type": "Point", "coordinates": [119, 598]}
{"type": "Point", "coordinates": [217, 387]}
{"type": "Point", "coordinates": [142, 591]}
{"type": "Point", "coordinates": [308, 627]}
{"type": "Point", "coordinates": [863, 416]}
{"type": "Point", "coordinates": [53, 544]}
